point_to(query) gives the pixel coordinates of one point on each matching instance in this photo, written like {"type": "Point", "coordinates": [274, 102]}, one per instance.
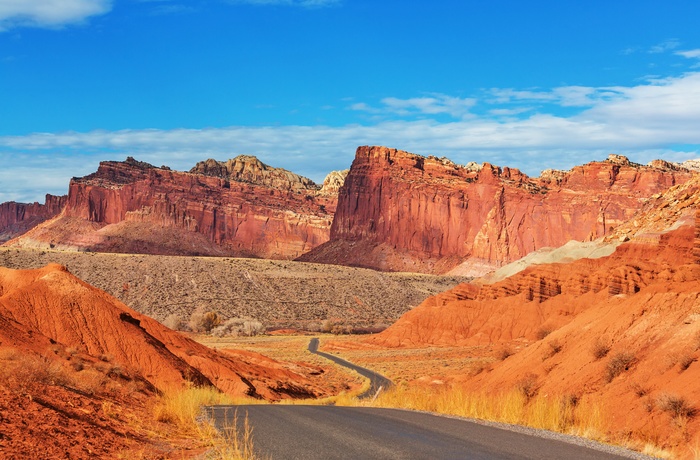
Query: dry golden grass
{"type": "Point", "coordinates": [565, 414]}
{"type": "Point", "coordinates": [183, 408]}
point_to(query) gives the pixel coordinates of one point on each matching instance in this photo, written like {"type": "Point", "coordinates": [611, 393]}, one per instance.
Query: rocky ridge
{"type": "Point", "coordinates": [241, 207]}
{"type": "Point", "coordinates": [405, 212]}
{"type": "Point", "coordinates": [17, 218]}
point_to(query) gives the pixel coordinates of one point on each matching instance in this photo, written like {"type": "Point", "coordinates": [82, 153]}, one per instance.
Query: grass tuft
{"type": "Point", "coordinates": [618, 363]}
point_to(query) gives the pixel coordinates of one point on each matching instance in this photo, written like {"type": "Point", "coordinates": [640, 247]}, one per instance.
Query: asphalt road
{"type": "Point", "coordinates": [377, 381]}
{"type": "Point", "coordinates": [330, 432]}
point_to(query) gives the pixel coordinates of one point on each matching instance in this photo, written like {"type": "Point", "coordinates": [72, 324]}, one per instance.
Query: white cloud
{"type": "Point", "coordinates": [429, 105]}
{"type": "Point", "coordinates": [565, 96]}
{"type": "Point", "coordinates": [644, 122]}
{"type": "Point", "coordinates": [665, 46]}
{"type": "Point", "coordinates": [49, 13]}
{"type": "Point", "coordinates": [690, 54]}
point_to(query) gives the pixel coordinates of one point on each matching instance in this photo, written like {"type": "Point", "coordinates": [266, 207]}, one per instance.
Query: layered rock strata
{"type": "Point", "coordinates": [17, 218]}
{"type": "Point", "coordinates": [241, 207]}
{"type": "Point", "coordinates": [400, 211]}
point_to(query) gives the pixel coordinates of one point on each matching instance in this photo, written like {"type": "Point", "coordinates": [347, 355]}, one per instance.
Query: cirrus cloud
{"type": "Point", "coordinates": [49, 13]}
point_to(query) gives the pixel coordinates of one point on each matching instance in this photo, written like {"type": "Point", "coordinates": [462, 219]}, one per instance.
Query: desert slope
{"type": "Point", "coordinates": [621, 330]}
{"type": "Point", "coordinates": [51, 302]}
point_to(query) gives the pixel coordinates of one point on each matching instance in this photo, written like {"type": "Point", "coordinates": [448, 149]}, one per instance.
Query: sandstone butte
{"type": "Point", "coordinates": [641, 303]}
{"type": "Point", "coordinates": [241, 207]}
{"type": "Point", "coordinates": [405, 212]}
{"type": "Point", "coordinates": [18, 218]}
{"type": "Point", "coordinates": [42, 307]}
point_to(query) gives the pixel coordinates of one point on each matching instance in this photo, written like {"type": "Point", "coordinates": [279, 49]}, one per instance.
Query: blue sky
{"type": "Point", "coordinates": [302, 83]}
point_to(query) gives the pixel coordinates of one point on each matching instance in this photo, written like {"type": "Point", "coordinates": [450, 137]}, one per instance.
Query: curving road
{"type": "Point", "coordinates": [377, 382]}
{"type": "Point", "coordinates": [332, 432]}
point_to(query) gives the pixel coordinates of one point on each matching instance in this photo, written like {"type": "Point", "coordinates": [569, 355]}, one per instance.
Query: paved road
{"type": "Point", "coordinates": [377, 381]}
{"type": "Point", "coordinates": [331, 432]}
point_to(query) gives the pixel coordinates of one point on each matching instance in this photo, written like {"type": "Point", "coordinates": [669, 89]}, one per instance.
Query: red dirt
{"type": "Point", "coordinates": [54, 303]}
{"type": "Point", "coordinates": [624, 330]}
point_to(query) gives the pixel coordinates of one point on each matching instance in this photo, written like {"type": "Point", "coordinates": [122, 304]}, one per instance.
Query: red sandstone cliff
{"type": "Point", "coordinates": [400, 211]}
{"type": "Point", "coordinates": [241, 207]}
{"type": "Point", "coordinates": [17, 218]}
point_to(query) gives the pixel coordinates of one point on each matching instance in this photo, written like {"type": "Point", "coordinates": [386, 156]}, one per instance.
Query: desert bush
{"type": "Point", "coordinates": [618, 363]}
{"type": "Point", "coordinates": [676, 406]}
{"type": "Point", "coordinates": [204, 321]}
{"type": "Point", "coordinates": [175, 322]}
{"type": "Point", "coordinates": [600, 349]}
{"type": "Point", "coordinates": [554, 347]}
{"type": "Point", "coordinates": [543, 332]}
{"type": "Point", "coordinates": [527, 386]}
{"type": "Point", "coordinates": [239, 327]}
{"type": "Point", "coordinates": [341, 329]}
{"type": "Point", "coordinates": [639, 389]}
{"type": "Point", "coordinates": [503, 353]}
{"type": "Point", "coordinates": [685, 361]}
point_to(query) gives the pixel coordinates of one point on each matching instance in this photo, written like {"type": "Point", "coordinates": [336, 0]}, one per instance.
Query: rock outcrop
{"type": "Point", "coordinates": [622, 331]}
{"type": "Point", "coordinates": [17, 218]}
{"type": "Point", "coordinates": [241, 207]}
{"type": "Point", "coordinates": [51, 305]}
{"type": "Point", "coordinates": [400, 211]}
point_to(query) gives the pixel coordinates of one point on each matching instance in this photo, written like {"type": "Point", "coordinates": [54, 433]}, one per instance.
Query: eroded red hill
{"type": "Point", "coordinates": [622, 330]}
{"type": "Point", "coordinates": [57, 307]}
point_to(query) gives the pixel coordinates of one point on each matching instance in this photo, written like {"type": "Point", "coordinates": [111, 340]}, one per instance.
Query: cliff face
{"type": "Point", "coordinates": [241, 207]}
{"type": "Point", "coordinates": [410, 212]}
{"type": "Point", "coordinates": [17, 218]}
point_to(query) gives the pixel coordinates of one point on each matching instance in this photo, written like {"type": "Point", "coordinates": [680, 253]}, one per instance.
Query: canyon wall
{"type": "Point", "coordinates": [400, 211]}
{"type": "Point", "coordinates": [17, 218]}
{"type": "Point", "coordinates": [241, 207]}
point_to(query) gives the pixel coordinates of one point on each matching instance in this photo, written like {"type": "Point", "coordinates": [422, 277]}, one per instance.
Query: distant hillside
{"type": "Point", "coordinates": [241, 207]}
{"type": "Point", "coordinates": [277, 293]}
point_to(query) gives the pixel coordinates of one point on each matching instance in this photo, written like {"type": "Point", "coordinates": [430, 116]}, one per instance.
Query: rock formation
{"type": "Point", "coordinates": [400, 211]}
{"type": "Point", "coordinates": [51, 305]}
{"type": "Point", "coordinates": [623, 331]}
{"type": "Point", "coordinates": [241, 207]}
{"type": "Point", "coordinates": [17, 218]}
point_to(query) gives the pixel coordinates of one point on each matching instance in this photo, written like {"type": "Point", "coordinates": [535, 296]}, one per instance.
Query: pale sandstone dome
{"type": "Point", "coordinates": [247, 168]}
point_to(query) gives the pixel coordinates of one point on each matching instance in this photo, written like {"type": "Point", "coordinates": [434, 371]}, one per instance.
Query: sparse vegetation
{"type": "Point", "coordinates": [204, 321]}
{"type": "Point", "coordinates": [676, 406]}
{"type": "Point", "coordinates": [685, 361]}
{"type": "Point", "coordinates": [503, 353]}
{"type": "Point", "coordinates": [564, 413]}
{"type": "Point", "coordinates": [527, 386]}
{"type": "Point", "coordinates": [600, 349]}
{"type": "Point", "coordinates": [618, 364]}
{"type": "Point", "coordinates": [182, 408]}
{"type": "Point", "coordinates": [639, 389]}
{"type": "Point", "coordinates": [247, 327]}
{"type": "Point", "coordinates": [554, 347]}
{"type": "Point", "coordinates": [543, 332]}
{"type": "Point", "coordinates": [175, 322]}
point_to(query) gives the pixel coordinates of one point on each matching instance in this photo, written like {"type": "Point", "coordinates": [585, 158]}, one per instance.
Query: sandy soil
{"type": "Point", "coordinates": [278, 293]}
